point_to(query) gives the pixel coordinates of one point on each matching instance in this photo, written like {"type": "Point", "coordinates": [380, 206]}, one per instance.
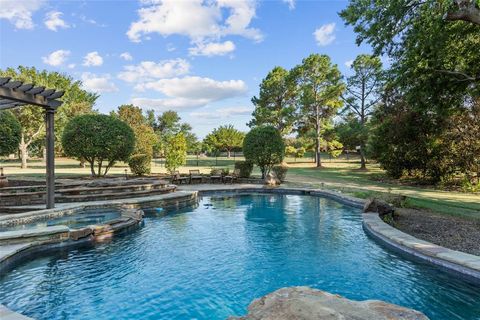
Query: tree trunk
{"type": "Point", "coordinates": [100, 167]}
{"type": "Point", "coordinates": [92, 168]}
{"type": "Point", "coordinates": [228, 154]}
{"type": "Point", "coordinates": [317, 147]}
{"type": "Point", "coordinates": [23, 152]}
{"type": "Point", "coordinates": [363, 163]}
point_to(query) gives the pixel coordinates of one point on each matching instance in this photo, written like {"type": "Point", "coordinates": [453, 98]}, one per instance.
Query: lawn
{"type": "Point", "coordinates": [338, 174]}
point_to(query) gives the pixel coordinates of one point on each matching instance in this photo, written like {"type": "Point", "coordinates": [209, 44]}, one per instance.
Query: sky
{"type": "Point", "coordinates": [203, 59]}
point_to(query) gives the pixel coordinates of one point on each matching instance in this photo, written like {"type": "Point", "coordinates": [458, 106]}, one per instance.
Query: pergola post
{"type": "Point", "coordinates": [15, 94]}
{"type": "Point", "coordinates": [50, 146]}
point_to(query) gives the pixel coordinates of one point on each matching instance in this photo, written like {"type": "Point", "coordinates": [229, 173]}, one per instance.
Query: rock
{"type": "Point", "coordinates": [309, 304]}
{"type": "Point", "coordinates": [381, 207]}
{"type": "Point", "coordinates": [272, 180]}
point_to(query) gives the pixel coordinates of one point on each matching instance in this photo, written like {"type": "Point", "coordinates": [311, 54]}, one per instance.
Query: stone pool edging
{"type": "Point", "coordinates": [462, 264]}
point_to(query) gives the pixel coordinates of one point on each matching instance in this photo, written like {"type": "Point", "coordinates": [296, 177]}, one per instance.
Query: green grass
{"type": "Point", "coordinates": [337, 174]}
{"type": "Point", "coordinates": [343, 176]}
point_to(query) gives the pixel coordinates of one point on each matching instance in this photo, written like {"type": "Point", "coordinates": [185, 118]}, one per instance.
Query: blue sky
{"type": "Point", "coordinates": [204, 59]}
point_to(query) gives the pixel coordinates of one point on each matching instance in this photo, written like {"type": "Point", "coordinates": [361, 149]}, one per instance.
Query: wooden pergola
{"type": "Point", "coordinates": [15, 94]}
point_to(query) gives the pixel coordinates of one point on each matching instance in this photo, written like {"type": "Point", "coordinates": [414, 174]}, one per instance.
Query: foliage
{"type": "Point", "coordinates": [280, 172]}
{"type": "Point", "coordinates": [225, 138]}
{"type": "Point", "coordinates": [320, 86]}
{"type": "Point", "coordinates": [167, 125]}
{"type": "Point", "coordinates": [351, 133]}
{"type": "Point", "coordinates": [433, 79]}
{"type": "Point", "coordinates": [175, 152]}
{"type": "Point", "coordinates": [245, 167]}
{"type": "Point", "coordinates": [140, 164]}
{"type": "Point", "coordinates": [99, 140]}
{"type": "Point", "coordinates": [10, 132]}
{"type": "Point", "coordinates": [145, 137]}
{"type": "Point", "coordinates": [275, 105]}
{"type": "Point", "coordinates": [76, 101]}
{"type": "Point", "coordinates": [264, 147]}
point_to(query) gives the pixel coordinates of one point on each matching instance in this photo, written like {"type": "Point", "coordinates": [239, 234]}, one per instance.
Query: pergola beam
{"type": "Point", "coordinates": [28, 98]}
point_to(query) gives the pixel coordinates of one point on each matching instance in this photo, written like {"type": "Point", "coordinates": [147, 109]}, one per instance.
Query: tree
{"type": "Point", "coordinates": [10, 133]}
{"type": "Point", "coordinates": [98, 138]}
{"type": "Point", "coordinates": [433, 78]}
{"type": "Point", "coordinates": [226, 138]}
{"type": "Point", "coordinates": [351, 132]}
{"type": "Point", "coordinates": [275, 105]}
{"type": "Point", "coordinates": [131, 115]}
{"type": "Point", "coordinates": [175, 152]}
{"type": "Point", "coordinates": [75, 101]}
{"type": "Point", "coordinates": [264, 147]}
{"type": "Point", "coordinates": [145, 138]}
{"type": "Point", "coordinates": [320, 86]}
{"type": "Point", "coordinates": [167, 125]}
{"type": "Point", "coordinates": [363, 92]}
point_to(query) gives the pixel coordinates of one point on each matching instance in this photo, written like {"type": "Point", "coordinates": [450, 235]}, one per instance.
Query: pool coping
{"type": "Point", "coordinates": [462, 264]}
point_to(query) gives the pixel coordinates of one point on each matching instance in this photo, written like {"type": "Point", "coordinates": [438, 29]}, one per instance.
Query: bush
{"type": "Point", "coordinates": [281, 172]}
{"type": "Point", "coordinates": [175, 152]}
{"type": "Point", "coordinates": [10, 131]}
{"type": "Point", "coordinates": [140, 164]}
{"type": "Point", "coordinates": [245, 167]}
{"type": "Point", "coordinates": [98, 139]}
{"type": "Point", "coordinates": [264, 147]}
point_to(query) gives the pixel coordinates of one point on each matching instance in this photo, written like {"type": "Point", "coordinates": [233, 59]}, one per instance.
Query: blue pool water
{"type": "Point", "coordinates": [212, 260]}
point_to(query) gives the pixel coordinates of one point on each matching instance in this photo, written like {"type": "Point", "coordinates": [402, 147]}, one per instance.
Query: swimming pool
{"type": "Point", "coordinates": [212, 260]}
{"type": "Point", "coordinates": [75, 221]}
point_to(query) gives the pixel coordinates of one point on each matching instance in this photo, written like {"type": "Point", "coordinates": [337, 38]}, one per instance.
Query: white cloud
{"type": "Point", "coordinates": [224, 113]}
{"type": "Point", "coordinates": [98, 84]}
{"type": "Point", "coordinates": [348, 63]}
{"type": "Point", "coordinates": [56, 58]}
{"type": "Point", "coordinates": [291, 4]}
{"type": "Point", "coordinates": [126, 56]}
{"type": "Point", "coordinates": [196, 19]}
{"type": "Point", "coordinates": [212, 49]}
{"type": "Point", "coordinates": [325, 34]}
{"type": "Point", "coordinates": [189, 92]}
{"type": "Point", "coordinates": [92, 59]}
{"type": "Point", "coordinates": [20, 12]}
{"type": "Point", "coordinates": [196, 88]}
{"type": "Point", "coordinates": [161, 105]}
{"type": "Point", "coordinates": [53, 21]}
{"type": "Point", "coordinates": [71, 65]}
{"type": "Point", "coordinates": [149, 70]}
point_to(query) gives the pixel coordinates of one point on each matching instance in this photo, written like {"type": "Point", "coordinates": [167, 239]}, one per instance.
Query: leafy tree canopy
{"type": "Point", "coordinates": [175, 152]}
{"type": "Point", "coordinates": [99, 139]}
{"type": "Point", "coordinates": [225, 138]}
{"type": "Point", "coordinates": [275, 104]}
{"type": "Point", "coordinates": [264, 147]}
{"type": "Point", "coordinates": [10, 131]}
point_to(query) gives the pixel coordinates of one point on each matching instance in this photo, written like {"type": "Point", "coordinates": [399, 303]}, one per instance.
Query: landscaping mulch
{"type": "Point", "coordinates": [451, 232]}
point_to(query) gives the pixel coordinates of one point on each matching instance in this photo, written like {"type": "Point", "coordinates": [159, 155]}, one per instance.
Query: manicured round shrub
{"type": "Point", "coordinates": [100, 140]}
{"type": "Point", "coordinates": [264, 147]}
{"type": "Point", "coordinates": [10, 133]}
{"type": "Point", "coordinates": [245, 167]}
{"type": "Point", "coordinates": [140, 164]}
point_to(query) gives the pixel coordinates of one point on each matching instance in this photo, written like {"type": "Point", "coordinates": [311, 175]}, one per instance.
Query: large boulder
{"type": "Point", "coordinates": [309, 304]}
{"type": "Point", "coordinates": [381, 207]}
{"type": "Point", "coordinates": [272, 180]}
